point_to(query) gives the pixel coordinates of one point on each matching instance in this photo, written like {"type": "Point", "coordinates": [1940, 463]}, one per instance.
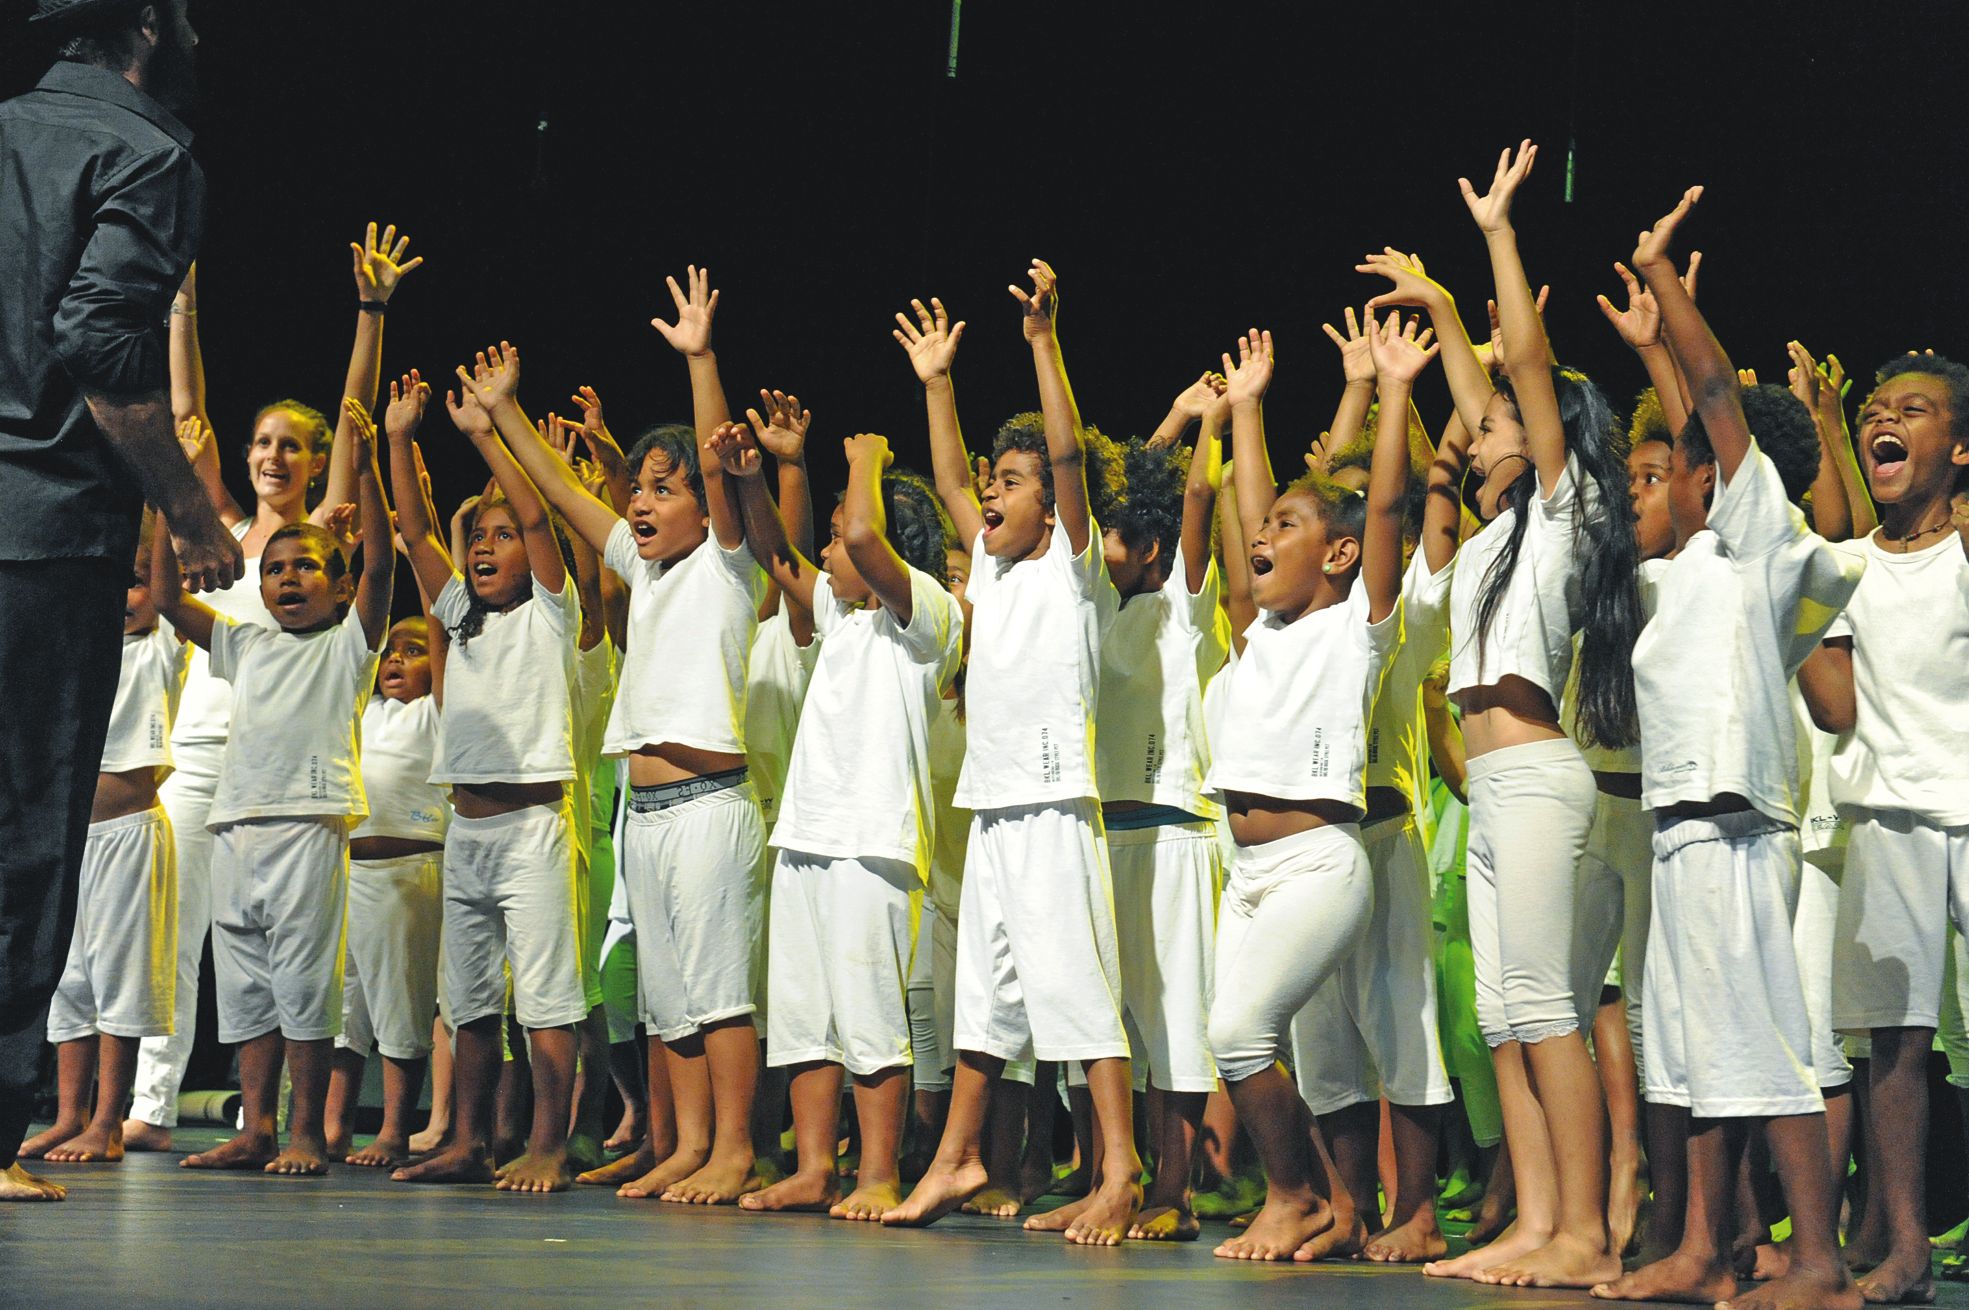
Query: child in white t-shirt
{"type": "Point", "coordinates": [1291, 764]}
{"type": "Point", "coordinates": [856, 817]}
{"type": "Point", "coordinates": [1038, 971]}
{"type": "Point", "coordinates": [121, 978]}
{"type": "Point", "coordinates": [290, 789]}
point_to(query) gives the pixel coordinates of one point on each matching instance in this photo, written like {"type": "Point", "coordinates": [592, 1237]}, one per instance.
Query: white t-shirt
{"type": "Point", "coordinates": [953, 836]}
{"type": "Point", "coordinates": [399, 742]}
{"type": "Point", "coordinates": [295, 746]}
{"type": "Point", "coordinates": [205, 709]}
{"type": "Point", "coordinates": [147, 691]}
{"type": "Point", "coordinates": [509, 692]}
{"type": "Point", "coordinates": [1909, 748]}
{"type": "Point", "coordinates": [858, 785]}
{"type": "Point", "coordinates": [776, 676]}
{"type": "Point", "coordinates": [683, 676]}
{"type": "Point", "coordinates": [1736, 613]}
{"type": "Point", "coordinates": [1398, 738]}
{"type": "Point", "coordinates": [1159, 651]}
{"type": "Point", "coordinates": [1035, 676]}
{"type": "Point", "coordinates": [1531, 629]}
{"type": "Point", "coordinates": [1301, 697]}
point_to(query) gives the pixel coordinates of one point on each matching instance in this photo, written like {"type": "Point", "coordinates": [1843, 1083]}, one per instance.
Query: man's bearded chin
{"type": "Point", "coordinates": [171, 79]}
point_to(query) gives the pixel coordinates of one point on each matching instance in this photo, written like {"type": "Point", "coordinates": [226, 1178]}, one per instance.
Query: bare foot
{"type": "Point", "coordinates": [1280, 1229]}
{"type": "Point", "coordinates": [41, 1143]}
{"type": "Point", "coordinates": [1679, 1277]}
{"type": "Point", "coordinates": [1110, 1213]}
{"type": "Point", "coordinates": [1492, 1221]}
{"type": "Point", "coordinates": [661, 1175]}
{"type": "Point", "coordinates": [93, 1145]}
{"type": "Point", "coordinates": [869, 1202]}
{"type": "Point", "coordinates": [537, 1171]}
{"type": "Point", "coordinates": [141, 1136]}
{"type": "Point", "coordinates": [383, 1153]}
{"type": "Point", "coordinates": [1624, 1198]}
{"type": "Point", "coordinates": [1562, 1262]}
{"type": "Point", "coordinates": [1903, 1278]}
{"type": "Point", "coordinates": [617, 1172]}
{"type": "Point", "coordinates": [1165, 1223]}
{"type": "Point", "coordinates": [1415, 1242]}
{"type": "Point", "coordinates": [1804, 1289]}
{"type": "Point", "coordinates": [719, 1182]}
{"type": "Point", "coordinates": [628, 1134]}
{"type": "Point", "coordinates": [246, 1151]}
{"type": "Point", "coordinates": [1059, 1219]}
{"type": "Point", "coordinates": [1074, 1182]}
{"type": "Point", "coordinates": [801, 1191]}
{"type": "Point", "coordinates": [1340, 1242]}
{"type": "Point", "coordinates": [339, 1148]}
{"type": "Point", "coordinates": [457, 1163]}
{"type": "Point", "coordinates": [992, 1202]}
{"type": "Point", "coordinates": [941, 1190]}
{"type": "Point", "coordinates": [300, 1160]}
{"type": "Point", "coordinates": [435, 1137]}
{"type": "Point", "coordinates": [17, 1184]}
{"type": "Point", "coordinates": [1514, 1242]}
{"type": "Point", "coordinates": [1035, 1174]}
{"type": "Point", "coordinates": [1769, 1260]}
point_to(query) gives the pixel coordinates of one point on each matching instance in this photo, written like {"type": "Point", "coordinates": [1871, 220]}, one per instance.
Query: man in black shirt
{"type": "Point", "coordinates": [100, 217]}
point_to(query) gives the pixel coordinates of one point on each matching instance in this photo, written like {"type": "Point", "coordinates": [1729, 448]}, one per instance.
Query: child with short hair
{"type": "Point", "coordinates": [121, 976]}
{"type": "Point", "coordinates": [290, 789]}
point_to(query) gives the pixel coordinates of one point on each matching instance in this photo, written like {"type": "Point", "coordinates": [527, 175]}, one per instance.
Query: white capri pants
{"type": "Point", "coordinates": [122, 971]}
{"type": "Point", "coordinates": [1038, 966]}
{"type": "Point", "coordinates": [932, 1004]}
{"type": "Point", "coordinates": [280, 894]}
{"type": "Point", "coordinates": [838, 961]}
{"type": "Point", "coordinates": [1293, 910]}
{"type": "Point", "coordinates": [1166, 883]}
{"type": "Point", "coordinates": [1531, 810]}
{"type": "Point", "coordinates": [390, 980]}
{"type": "Point", "coordinates": [509, 897]}
{"type": "Point", "coordinates": [187, 798]}
{"type": "Point", "coordinates": [1906, 879]}
{"type": "Point", "coordinates": [696, 876]}
{"type": "Point", "coordinates": [1370, 1029]}
{"type": "Point", "coordinates": [1728, 1032]}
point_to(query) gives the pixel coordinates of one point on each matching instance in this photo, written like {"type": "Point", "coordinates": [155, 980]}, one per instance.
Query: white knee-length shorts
{"type": "Point", "coordinates": [280, 892]}
{"type": "Point", "coordinates": [122, 971]}
{"type": "Point", "coordinates": [1906, 879]}
{"type": "Point", "coordinates": [1166, 883]}
{"type": "Point", "coordinates": [838, 960]}
{"type": "Point", "coordinates": [509, 900]}
{"type": "Point", "coordinates": [390, 979]}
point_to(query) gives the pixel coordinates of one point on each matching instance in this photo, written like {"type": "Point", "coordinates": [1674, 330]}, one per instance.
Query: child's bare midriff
{"type": "Point", "coordinates": [1256, 820]}
{"type": "Point", "coordinates": [667, 762]}
{"type": "Point", "coordinates": [119, 795]}
{"type": "Point", "coordinates": [1508, 712]}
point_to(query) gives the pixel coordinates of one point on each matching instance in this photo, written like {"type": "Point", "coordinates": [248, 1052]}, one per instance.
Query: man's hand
{"type": "Point", "coordinates": [931, 341]}
{"type": "Point", "coordinates": [1042, 304]}
{"type": "Point", "coordinates": [1247, 379]}
{"type": "Point", "coordinates": [380, 266]}
{"type": "Point", "coordinates": [691, 333]}
{"type": "Point", "coordinates": [211, 559]}
{"type": "Point", "coordinates": [783, 429]}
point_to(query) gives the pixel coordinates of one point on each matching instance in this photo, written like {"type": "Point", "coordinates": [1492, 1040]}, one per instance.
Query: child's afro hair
{"type": "Point", "coordinates": [1105, 485]}
{"type": "Point", "coordinates": [1150, 511]}
{"type": "Point", "coordinates": [1783, 429]}
{"type": "Point", "coordinates": [1342, 509]}
{"type": "Point", "coordinates": [1956, 375]}
{"type": "Point", "coordinates": [1650, 421]}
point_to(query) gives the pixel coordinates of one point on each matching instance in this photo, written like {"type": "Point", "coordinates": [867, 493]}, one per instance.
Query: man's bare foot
{"type": "Point", "coordinates": [457, 1163]}
{"type": "Point", "coordinates": [1415, 1242]}
{"type": "Point", "coordinates": [1804, 1289]}
{"type": "Point", "coordinates": [657, 1181]}
{"type": "Point", "coordinates": [301, 1159]}
{"type": "Point", "coordinates": [1341, 1241]}
{"type": "Point", "coordinates": [719, 1182]}
{"type": "Point", "coordinates": [537, 1171]}
{"type": "Point", "coordinates": [246, 1151]}
{"type": "Point", "coordinates": [41, 1143]}
{"type": "Point", "coordinates": [17, 1184]}
{"type": "Point", "coordinates": [1280, 1229]}
{"type": "Point", "coordinates": [1679, 1277]}
{"type": "Point", "coordinates": [1903, 1278]}
{"type": "Point", "coordinates": [941, 1190]}
{"type": "Point", "coordinates": [1059, 1219]}
{"type": "Point", "coordinates": [1109, 1214]}
{"type": "Point", "coordinates": [1564, 1261]}
{"type": "Point", "coordinates": [138, 1135]}
{"type": "Point", "coordinates": [1514, 1242]}
{"type": "Point", "coordinates": [869, 1202]}
{"type": "Point", "coordinates": [434, 1137]}
{"type": "Point", "coordinates": [383, 1153]}
{"type": "Point", "coordinates": [93, 1145]}
{"type": "Point", "coordinates": [1165, 1223]}
{"type": "Point", "coordinates": [992, 1202]}
{"type": "Point", "coordinates": [799, 1191]}
{"type": "Point", "coordinates": [617, 1172]}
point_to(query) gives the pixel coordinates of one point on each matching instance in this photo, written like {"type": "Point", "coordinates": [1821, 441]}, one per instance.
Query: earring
{"type": "Point", "coordinates": [1326, 568]}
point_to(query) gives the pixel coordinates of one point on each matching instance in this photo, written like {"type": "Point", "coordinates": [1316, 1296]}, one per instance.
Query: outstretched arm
{"type": "Point", "coordinates": [1821, 387]}
{"type": "Point", "coordinates": [494, 381]}
{"type": "Point", "coordinates": [379, 558]}
{"type": "Point", "coordinates": [588, 516]}
{"type": "Point", "coordinates": [1442, 512]}
{"type": "Point", "coordinates": [416, 525]}
{"type": "Point", "coordinates": [1200, 492]}
{"type": "Point", "coordinates": [1639, 325]}
{"type": "Point", "coordinates": [563, 437]}
{"type": "Point", "coordinates": [604, 450]}
{"type": "Point", "coordinates": [1066, 449]}
{"type": "Point", "coordinates": [188, 411]}
{"type": "Point", "coordinates": [865, 526]}
{"type": "Point", "coordinates": [1357, 368]}
{"type": "Point", "coordinates": [782, 433]}
{"type": "Point", "coordinates": [379, 267]}
{"type": "Point", "coordinates": [1714, 392]}
{"type": "Point", "coordinates": [192, 617]}
{"type": "Point", "coordinates": [735, 454]}
{"type": "Point", "coordinates": [690, 336]}
{"type": "Point", "coordinates": [1398, 360]}
{"type": "Point", "coordinates": [1469, 381]}
{"type": "Point", "coordinates": [1245, 384]}
{"type": "Point", "coordinates": [1243, 611]}
{"type": "Point", "coordinates": [1189, 406]}
{"type": "Point", "coordinates": [931, 342]}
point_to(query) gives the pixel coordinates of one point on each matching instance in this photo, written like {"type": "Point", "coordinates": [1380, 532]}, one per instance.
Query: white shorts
{"type": "Point", "coordinates": [280, 892]}
{"type": "Point", "coordinates": [1906, 878]}
{"type": "Point", "coordinates": [1813, 925]}
{"type": "Point", "coordinates": [1038, 966]}
{"type": "Point", "coordinates": [390, 979]}
{"type": "Point", "coordinates": [509, 895]}
{"type": "Point", "coordinates": [122, 972]}
{"type": "Point", "coordinates": [1728, 1033]}
{"type": "Point", "coordinates": [696, 876]}
{"type": "Point", "coordinates": [1370, 1029]}
{"type": "Point", "coordinates": [1166, 883]}
{"type": "Point", "coordinates": [838, 961]}
{"type": "Point", "coordinates": [1293, 911]}
{"type": "Point", "coordinates": [932, 1000]}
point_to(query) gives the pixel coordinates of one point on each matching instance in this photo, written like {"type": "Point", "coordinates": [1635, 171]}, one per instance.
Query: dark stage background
{"type": "Point", "coordinates": [1190, 171]}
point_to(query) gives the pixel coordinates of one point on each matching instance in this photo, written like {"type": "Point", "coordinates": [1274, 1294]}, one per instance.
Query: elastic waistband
{"type": "Point", "coordinates": [1329, 834]}
{"type": "Point", "coordinates": [1532, 754]}
{"type": "Point", "coordinates": [669, 795]}
{"type": "Point", "coordinates": [1150, 816]}
{"type": "Point", "coordinates": [141, 819]}
{"type": "Point", "coordinates": [1674, 834]}
{"type": "Point", "coordinates": [512, 818]}
{"type": "Point", "coordinates": [415, 862]}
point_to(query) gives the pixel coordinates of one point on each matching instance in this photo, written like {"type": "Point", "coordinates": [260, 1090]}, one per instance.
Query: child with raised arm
{"type": "Point", "coordinates": [507, 755]}
{"type": "Point", "coordinates": [121, 974]}
{"type": "Point", "coordinates": [693, 848]}
{"type": "Point", "coordinates": [855, 824]}
{"type": "Point", "coordinates": [1038, 971]}
{"type": "Point", "coordinates": [1291, 764]}
{"type": "Point", "coordinates": [290, 789]}
{"type": "Point", "coordinates": [1741, 605]}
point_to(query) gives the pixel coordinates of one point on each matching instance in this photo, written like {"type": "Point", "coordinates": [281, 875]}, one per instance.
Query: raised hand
{"type": "Point", "coordinates": [380, 265]}
{"type": "Point", "coordinates": [1246, 379]}
{"type": "Point", "coordinates": [362, 430]}
{"type": "Point", "coordinates": [193, 436]}
{"type": "Point", "coordinates": [405, 413]}
{"type": "Point", "coordinates": [1319, 453]}
{"type": "Point", "coordinates": [1356, 361]}
{"type": "Point", "coordinates": [1399, 354]}
{"type": "Point", "coordinates": [931, 340]}
{"type": "Point", "coordinates": [866, 446]}
{"type": "Point", "coordinates": [1492, 210]}
{"type": "Point", "coordinates": [783, 430]}
{"type": "Point", "coordinates": [467, 415]}
{"type": "Point", "coordinates": [980, 476]}
{"type": "Point", "coordinates": [691, 333]}
{"type": "Point", "coordinates": [1042, 304]}
{"type": "Point", "coordinates": [1639, 325]}
{"type": "Point", "coordinates": [342, 526]}
{"type": "Point", "coordinates": [1651, 248]}
{"type": "Point", "coordinates": [730, 447]}
{"type": "Point", "coordinates": [1413, 285]}
{"type": "Point", "coordinates": [1746, 377]}
{"type": "Point", "coordinates": [1494, 349]}
{"type": "Point", "coordinates": [1196, 400]}
{"type": "Point", "coordinates": [495, 375]}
